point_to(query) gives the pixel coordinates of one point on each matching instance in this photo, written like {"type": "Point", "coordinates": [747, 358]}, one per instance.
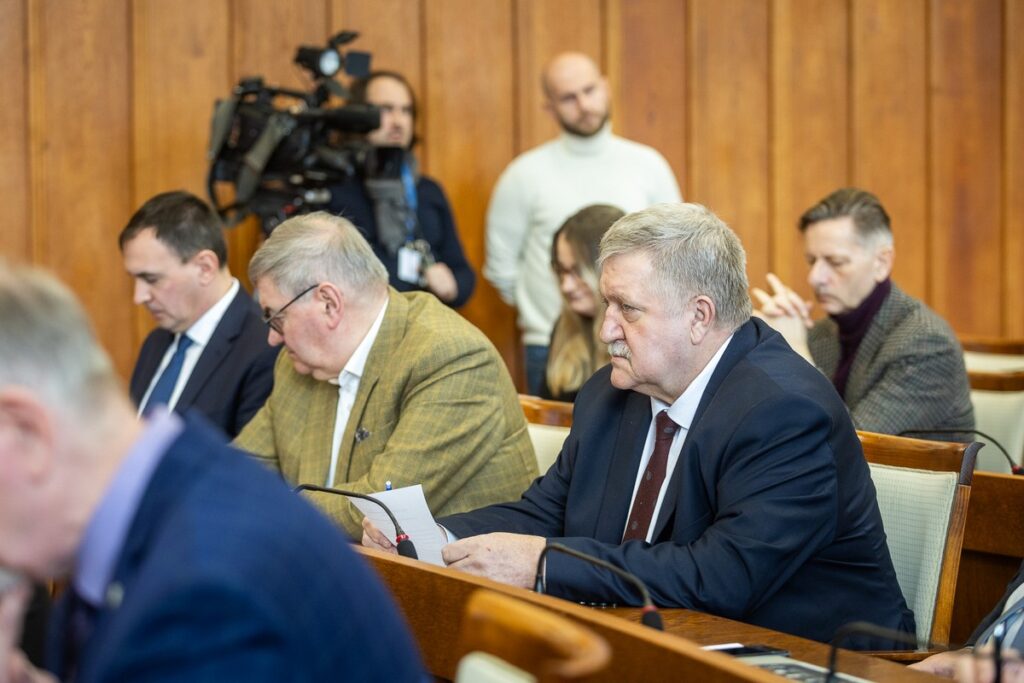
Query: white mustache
{"type": "Point", "coordinates": [618, 349]}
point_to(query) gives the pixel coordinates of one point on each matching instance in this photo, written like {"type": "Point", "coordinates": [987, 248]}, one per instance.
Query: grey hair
{"type": "Point", "coordinates": [692, 252]}
{"type": "Point", "coordinates": [314, 248]}
{"type": "Point", "coordinates": [47, 344]}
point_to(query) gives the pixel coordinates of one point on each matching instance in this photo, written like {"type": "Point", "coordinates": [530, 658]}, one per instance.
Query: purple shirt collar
{"type": "Point", "coordinates": [105, 534]}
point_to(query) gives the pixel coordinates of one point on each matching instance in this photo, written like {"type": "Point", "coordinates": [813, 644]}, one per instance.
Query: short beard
{"type": "Point", "coordinates": [618, 349]}
{"type": "Point", "coordinates": [573, 130]}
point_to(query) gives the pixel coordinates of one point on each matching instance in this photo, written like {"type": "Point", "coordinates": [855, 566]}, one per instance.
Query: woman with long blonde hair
{"type": "Point", "coordinates": [576, 350]}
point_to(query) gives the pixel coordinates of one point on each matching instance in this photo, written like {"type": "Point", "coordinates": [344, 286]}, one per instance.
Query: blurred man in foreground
{"type": "Point", "coordinates": [187, 561]}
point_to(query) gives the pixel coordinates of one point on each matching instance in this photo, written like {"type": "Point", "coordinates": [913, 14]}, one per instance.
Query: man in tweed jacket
{"type": "Point", "coordinates": [897, 365]}
{"type": "Point", "coordinates": [378, 385]}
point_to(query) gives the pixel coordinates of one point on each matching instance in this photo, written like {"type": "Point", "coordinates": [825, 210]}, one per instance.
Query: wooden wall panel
{"type": "Point", "coordinates": [966, 164]}
{"type": "Point", "coordinates": [471, 52]}
{"type": "Point", "coordinates": [810, 114]}
{"type": "Point", "coordinates": [645, 55]}
{"type": "Point", "coordinates": [16, 236]}
{"type": "Point", "coordinates": [390, 29]}
{"type": "Point", "coordinates": [170, 148]}
{"type": "Point", "coordinates": [889, 132]}
{"type": "Point", "coordinates": [1013, 181]}
{"type": "Point", "coordinates": [729, 143]}
{"type": "Point", "coordinates": [543, 29]}
{"type": "Point", "coordinates": [760, 107]}
{"type": "Point", "coordinates": [264, 37]}
{"type": "Point", "coordinates": [80, 142]}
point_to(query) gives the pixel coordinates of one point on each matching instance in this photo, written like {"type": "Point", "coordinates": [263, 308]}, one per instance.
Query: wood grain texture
{"type": "Point", "coordinates": [1013, 171]}
{"type": "Point", "coordinates": [543, 29]}
{"type": "Point", "coordinates": [16, 237]}
{"type": "Point", "coordinates": [471, 63]}
{"type": "Point", "coordinates": [966, 163]}
{"type": "Point", "coordinates": [168, 154]}
{"type": "Point", "coordinates": [889, 132]}
{"type": "Point", "coordinates": [761, 108]}
{"type": "Point", "coordinates": [80, 141]}
{"type": "Point", "coordinates": [645, 57]}
{"type": "Point", "coordinates": [810, 114]}
{"type": "Point", "coordinates": [389, 29]}
{"type": "Point", "coordinates": [729, 121]}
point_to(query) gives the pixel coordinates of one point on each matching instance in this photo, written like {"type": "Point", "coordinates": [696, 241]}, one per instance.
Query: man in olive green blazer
{"type": "Point", "coordinates": [398, 385]}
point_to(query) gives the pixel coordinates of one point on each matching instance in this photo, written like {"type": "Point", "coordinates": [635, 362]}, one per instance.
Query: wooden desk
{"type": "Point", "coordinates": [432, 599]}
{"type": "Point", "coordinates": [992, 551]}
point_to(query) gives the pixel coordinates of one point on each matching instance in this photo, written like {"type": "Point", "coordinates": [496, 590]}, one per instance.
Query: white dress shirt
{"type": "Point", "coordinates": [348, 387]}
{"type": "Point", "coordinates": [681, 412]}
{"type": "Point", "coordinates": [200, 333]}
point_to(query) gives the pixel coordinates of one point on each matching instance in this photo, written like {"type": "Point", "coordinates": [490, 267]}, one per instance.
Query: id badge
{"type": "Point", "coordinates": [409, 262]}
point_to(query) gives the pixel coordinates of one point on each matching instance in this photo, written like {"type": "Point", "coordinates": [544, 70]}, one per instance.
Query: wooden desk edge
{"type": "Point", "coordinates": [618, 626]}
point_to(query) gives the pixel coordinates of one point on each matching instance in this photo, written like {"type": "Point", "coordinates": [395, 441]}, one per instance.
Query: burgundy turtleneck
{"type": "Point", "coordinates": [853, 325]}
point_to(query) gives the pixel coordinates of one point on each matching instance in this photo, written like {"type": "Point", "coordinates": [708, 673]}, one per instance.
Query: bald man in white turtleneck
{"type": "Point", "coordinates": [542, 187]}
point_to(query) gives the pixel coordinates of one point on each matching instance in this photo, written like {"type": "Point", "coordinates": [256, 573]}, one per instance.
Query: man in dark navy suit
{"type": "Point", "coordinates": [187, 561]}
{"type": "Point", "coordinates": [210, 350]}
{"type": "Point", "coordinates": [708, 459]}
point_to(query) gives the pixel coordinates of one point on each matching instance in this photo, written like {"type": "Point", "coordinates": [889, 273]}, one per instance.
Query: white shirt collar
{"type": "Point", "coordinates": [357, 363]}
{"type": "Point", "coordinates": [203, 329]}
{"type": "Point", "coordinates": [685, 407]}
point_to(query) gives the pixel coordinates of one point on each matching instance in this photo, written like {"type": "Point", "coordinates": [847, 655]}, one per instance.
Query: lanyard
{"type": "Point", "coordinates": [410, 201]}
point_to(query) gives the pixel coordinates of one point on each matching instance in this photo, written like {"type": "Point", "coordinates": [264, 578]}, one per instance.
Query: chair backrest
{"type": "Point", "coordinates": [998, 400]}
{"type": "Point", "coordinates": [545, 412]}
{"type": "Point", "coordinates": [997, 346]}
{"type": "Point", "coordinates": [923, 488]}
{"type": "Point", "coordinates": [547, 443]}
{"type": "Point", "coordinates": [539, 642]}
{"type": "Point", "coordinates": [548, 423]}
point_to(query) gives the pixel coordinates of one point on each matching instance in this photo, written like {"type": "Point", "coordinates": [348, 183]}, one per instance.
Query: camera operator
{"type": "Point", "coordinates": [403, 215]}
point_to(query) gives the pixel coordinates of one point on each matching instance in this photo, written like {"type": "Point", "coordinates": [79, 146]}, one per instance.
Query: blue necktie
{"type": "Point", "coordinates": [161, 394]}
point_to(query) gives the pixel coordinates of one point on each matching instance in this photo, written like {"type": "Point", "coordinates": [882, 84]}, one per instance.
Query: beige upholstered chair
{"type": "Point", "coordinates": [923, 490]}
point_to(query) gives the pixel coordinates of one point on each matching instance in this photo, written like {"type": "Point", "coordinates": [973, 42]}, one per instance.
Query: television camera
{"type": "Point", "coordinates": [281, 149]}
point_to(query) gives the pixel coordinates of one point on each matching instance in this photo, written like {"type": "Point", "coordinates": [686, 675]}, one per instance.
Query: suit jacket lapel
{"type": "Point", "coordinates": [743, 341]}
{"type": "Point", "coordinates": [224, 335]}
{"type": "Point", "coordinates": [634, 423]}
{"type": "Point", "coordinates": [318, 416]}
{"type": "Point", "coordinates": [389, 336]}
{"type": "Point", "coordinates": [860, 375]}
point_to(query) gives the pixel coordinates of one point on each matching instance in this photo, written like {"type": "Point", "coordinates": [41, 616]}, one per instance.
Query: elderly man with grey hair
{"type": "Point", "coordinates": [377, 385]}
{"type": "Point", "coordinates": [185, 560]}
{"type": "Point", "coordinates": [708, 459]}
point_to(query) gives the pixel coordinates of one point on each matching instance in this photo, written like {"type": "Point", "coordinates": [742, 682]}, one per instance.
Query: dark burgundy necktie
{"type": "Point", "coordinates": [653, 478]}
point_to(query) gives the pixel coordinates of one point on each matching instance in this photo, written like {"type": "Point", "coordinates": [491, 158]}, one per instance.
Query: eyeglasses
{"type": "Point", "coordinates": [274, 319]}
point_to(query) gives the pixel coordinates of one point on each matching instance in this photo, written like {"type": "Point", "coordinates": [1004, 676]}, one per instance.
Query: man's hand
{"type": "Point", "coordinates": [942, 664]}
{"type": "Point", "coordinates": [441, 282]}
{"type": "Point", "coordinates": [980, 667]}
{"type": "Point", "coordinates": [784, 310]}
{"type": "Point", "coordinates": [508, 558]}
{"type": "Point", "coordinates": [375, 538]}
{"type": "Point", "coordinates": [14, 667]}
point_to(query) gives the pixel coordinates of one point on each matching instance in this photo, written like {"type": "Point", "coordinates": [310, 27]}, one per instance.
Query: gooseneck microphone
{"type": "Point", "coordinates": [1014, 467]}
{"type": "Point", "coordinates": [648, 614]}
{"type": "Point", "coordinates": [869, 629]}
{"type": "Point", "coordinates": [402, 541]}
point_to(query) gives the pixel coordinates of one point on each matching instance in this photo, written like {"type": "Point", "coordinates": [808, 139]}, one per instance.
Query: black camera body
{"type": "Point", "coordinates": [282, 149]}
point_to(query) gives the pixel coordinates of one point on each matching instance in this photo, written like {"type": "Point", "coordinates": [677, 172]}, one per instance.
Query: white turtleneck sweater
{"type": "Point", "coordinates": [539, 190]}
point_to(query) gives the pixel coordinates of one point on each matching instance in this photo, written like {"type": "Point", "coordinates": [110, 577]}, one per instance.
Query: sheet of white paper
{"type": "Point", "coordinates": [409, 507]}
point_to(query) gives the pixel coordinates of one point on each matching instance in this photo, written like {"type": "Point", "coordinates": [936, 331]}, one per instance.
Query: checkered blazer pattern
{"type": "Point", "coordinates": [908, 373]}
{"type": "Point", "coordinates": [436, 406]}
